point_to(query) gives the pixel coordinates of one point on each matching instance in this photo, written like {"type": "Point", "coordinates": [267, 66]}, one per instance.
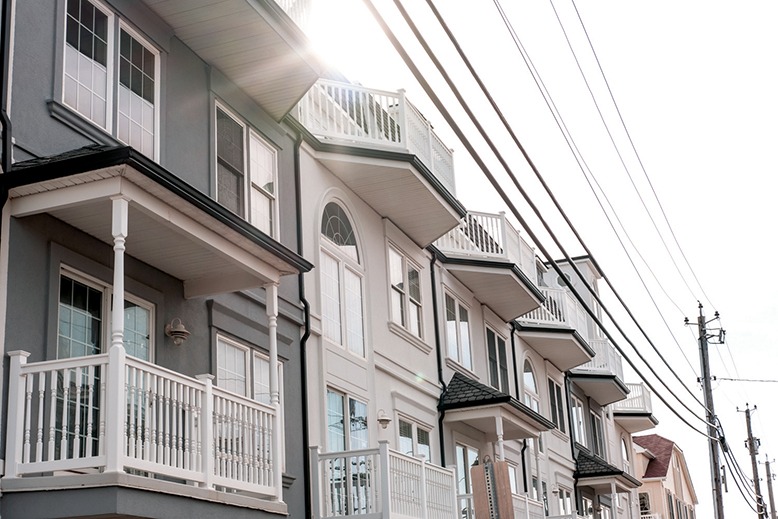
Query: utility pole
{"type": "Point", "coordinates": [752, 444]}
{"type": "Point", "coordinates": [713, 433]}
{"type": "Point", "coordinates": [770, 487]}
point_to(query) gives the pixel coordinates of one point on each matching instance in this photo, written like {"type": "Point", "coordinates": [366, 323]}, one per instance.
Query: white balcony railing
{"type": "Point", "coordinates": [380, 484]}
{"type": "Point", "coordinates": [566, 516]}
{"type": "Point", "coordinates": [559, 307]}
{"type": "Point", "coordinates": [114, 413]}
{"type": "Point", "coordinates": [650, 516]}
{"type": "Point", "coordinates": [489, 236]}
{"type": "Point", "coordinates": [526, 508]}
{"type": "Point", "coordinates": [351, 114]}
{"type": "Point", "coordinates": [606, 358]}
{"type": "Point", "coordinates": [638, 401]}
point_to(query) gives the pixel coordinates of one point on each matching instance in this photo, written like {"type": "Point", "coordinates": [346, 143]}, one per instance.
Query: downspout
{"type": "Point", "coordinates": [306, 332]}
{"type": "Point", "coordinates": [5, 52]}
{"type": "Point", "coordinates": [572, 440]}
{"type": "Point", "coordinates": [439, 351]}
{"type": "Point", "coordinates": [524, 464]}
{"type": "Point", "coordinates": [516, 384]}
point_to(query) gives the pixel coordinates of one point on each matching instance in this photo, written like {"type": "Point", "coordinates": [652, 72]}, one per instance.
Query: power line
{"type": "Point", "coordinates": [476, 157]}
{"type": "Point", "coordinates": [747, 380]}
{"type": "Point", "coordinates": [508, 127]}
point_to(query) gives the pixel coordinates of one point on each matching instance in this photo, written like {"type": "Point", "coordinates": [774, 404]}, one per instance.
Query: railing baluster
{"type": "Point", "coordinates": [41, 406]}
{"type": "Point", "coordinates": [28, 382]}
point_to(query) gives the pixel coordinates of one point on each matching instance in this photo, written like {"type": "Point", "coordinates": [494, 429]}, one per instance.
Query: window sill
{"type": "Point", "coordinates": [77, 122]}
{"type": "Point", "coordinates": [559, 434]}
{"type": "Point", "coordinates": [408, 336]}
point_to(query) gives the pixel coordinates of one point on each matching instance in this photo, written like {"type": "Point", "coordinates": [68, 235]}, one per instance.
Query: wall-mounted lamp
{"type": "Point", "coordinates": [383, 419]}
{"type": "Point", "coordinates": [554, 489]}
{"type": "Point", "coordinates": [177, 331]}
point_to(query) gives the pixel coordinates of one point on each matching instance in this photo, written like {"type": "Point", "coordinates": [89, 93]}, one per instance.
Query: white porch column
{"type": "Point", "coordinates": [614, 498]}
{"type": "Point", "coordinates": [500, 444]}
{"type": "Point", "coordinates": [271, 307]}
{"type": "Point", "coordinates": [115, 408]}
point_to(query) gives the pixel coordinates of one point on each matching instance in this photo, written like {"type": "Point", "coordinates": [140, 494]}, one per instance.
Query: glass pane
{"type": "Point", "coordinates": [406, 438]}
{"type": "Point", "coordinates": [414, 289]}
{"type": "Point", "coordinates": [231, 367]}
{"type": "Point", "coordinates": [336, 226]}
{"type": "Point", "coordinates": [396, 270]}
{"type": "Point", "coordinates": [136, 330]}
{"type": "Point", "coordinates": [464, 337]}
{"type": "Point", "coordinates": [529, 378]}
{"type": "Point", "coordinates": [423, 443]}
{"type": "Point", "coordinates": [494, 377]}
{"type": "Point", "coordinates": [229, 189]}
{"type": "Point", "coordinates": [451, 328]}
{"type": "Point", "coordinates": [330, 298]}
{"type": "Point", "coordinates": [354, 320]}
{"type": "Point", "coordinates": [358, 424]}
{"type": "Point", "coordinates": [336, 437]}
{"type": "Point", "coordinates": [80, 319]}
{"type": "Point", "coordinates": [229, 141]}
{"type": "Point", "coordinates": [261, 379]}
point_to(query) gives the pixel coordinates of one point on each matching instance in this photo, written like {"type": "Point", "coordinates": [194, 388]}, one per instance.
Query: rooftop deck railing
{"type": "Point", "coordinates": [380, 483]}
{"type": "Point", "coordinates": [638, 401]}
{"type": "Point", "coordinates": [354, 115]}
{"type": "Point", "coordinates": [489, 236]}
{"type": "Point", "coordinates": [559, 308]}
{"type": "Point", "coordinates": [115, 413]}
{"type": "Point", "coordinates": [606, 358]}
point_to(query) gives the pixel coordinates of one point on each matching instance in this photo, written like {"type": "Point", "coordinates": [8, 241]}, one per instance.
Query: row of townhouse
{"type": "Point", "coordinates": [233, 285]}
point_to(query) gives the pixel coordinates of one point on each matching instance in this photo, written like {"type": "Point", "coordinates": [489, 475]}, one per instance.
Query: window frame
{"type": "Point", "coordinates": [106, 291]}
{"type": "Point", "coordinates": [462, 360]}
{"type": "Point", "coordinates": [345, 265]}
{"type": "Point", "coordinates": [407, 301]}
{"type": "Point", "coordinates": [577, 417]}
{"type": "Point", "coordinates": [598, 435]}
{"type": "Point", "coordinates": [116, 23]}
{"type": "Point", "coordinates": [497, 358]}
{"type": "Point", "coordinates": [249, 135]}
{"type": "Point", "coordinates": [345, 400]}
{"type": "Point", "coordinates": [556, 405]}
{"type": "Point", "coordinates": [416, 427]}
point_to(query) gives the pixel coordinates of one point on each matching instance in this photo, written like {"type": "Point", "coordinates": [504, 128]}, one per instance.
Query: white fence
{"type": "Point", "coordinates": [351, 114]}
{"type": "Point", "coordinates": [639, 400]}
{"type": "Point", "coordinates": [606, 358]}
{"type": "Point", "coordinates": [489, 236]}
{"type": "Point", "coordinates": [559, 307]}
{"type": "Point", "coordinates": [380, 483]}
{"type": "Point", "coordinates": [111, 412]}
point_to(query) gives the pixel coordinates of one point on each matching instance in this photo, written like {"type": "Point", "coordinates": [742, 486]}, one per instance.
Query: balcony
{"type": "Point", "coordinates": [112, 420]}
{"type": "Point", "coordinates": [381, 146]}
{"type": "Point", "coordinates": [380, 484]}
{"type": "Point", "coordinates": [601, 378]}
{"type": "Point", "coordinates": [634, 414]}
{"type": "Point", "coordinates": [523, 507]}
{"type": "Point", "coordinates": [254, 43]}
{"type": "Point", "coordinates": [556, 329]}
{"type": "Point", "coordinates": [486, 253]}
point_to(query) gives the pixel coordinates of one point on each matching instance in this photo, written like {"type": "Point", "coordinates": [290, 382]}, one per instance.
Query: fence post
{"type": "Point", "coordinates": [313, 460]}
{"type": "Point", "coordinates": [206, 430]}
{"type": "Point", "coordinates": [424, 502]}
{"type": "Point", "coordinates": [402, 115]}
{"type": "Point", "coordinates": [15, 433]}
{"type": "Point", "coordinates": [115, 409]}
{"type": "Point", "coordinates": [386, 500]}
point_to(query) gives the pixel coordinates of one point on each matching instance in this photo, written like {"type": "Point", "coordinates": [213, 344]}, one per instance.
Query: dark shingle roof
{"type": "Point", "coordinates": [590, 466]}
{"type": "Point", "coordinates": [661, 448]}
{"type": "Point", "coordinates": [463, 391]}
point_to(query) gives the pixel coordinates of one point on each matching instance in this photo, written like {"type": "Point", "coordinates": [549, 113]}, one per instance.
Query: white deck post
{"type": "Point", "coordinates": [500, 442]}
{"type": "Point", "coordinates": [386, 498]}
{"type": "Point", "coordinates": [206, 429]}
{"type": "Point", "coordinates": [316, 473]}
{"type": "Point", "coordinates": [424, 503]}
{"type": "Point", "coordinates": [115, 408]}
{"type": "Point", "coordinates": [271, 307]}
{"type": "Point", "coordinates": [402, 115]}
{"type": "Point", "coordinates": [15, 433]}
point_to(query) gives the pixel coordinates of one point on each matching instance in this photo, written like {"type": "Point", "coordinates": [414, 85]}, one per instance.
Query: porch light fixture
{"type": "Point", "coordinates": [383, 419]}
{"type": "Point", "coordinates": [177, 331]}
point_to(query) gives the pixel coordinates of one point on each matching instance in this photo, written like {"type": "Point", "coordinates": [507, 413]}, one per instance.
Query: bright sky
{"type": "Point", "coordinates": [695, 82]}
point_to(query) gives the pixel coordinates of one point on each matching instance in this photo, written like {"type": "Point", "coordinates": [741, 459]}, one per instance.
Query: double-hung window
{"type": "Point", "coordinates": [405, 287]}
{"type": "Point", "coordinates": [111, 75]}
{"type": "Point", "coordinates": [458, 332]}
{"type": "Point", "coordinates": [579, 430]}
{"type": "Point", "coordinates": [498, 361]}
{"type": "Point", "coordinates": [246, 169]}
{"type": "Point", "coordinates": [598, 438]}
{"type": "Point", "coordinates": [557, 405]}
{"type": "Point", "coordinates": [414, 440]}
{"type": "Point", "coordinates": [243, 371]}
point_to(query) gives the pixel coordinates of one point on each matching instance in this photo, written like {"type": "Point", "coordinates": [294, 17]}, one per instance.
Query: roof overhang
{"type": "Point", "coordinates": [563, 347]}
{"type": "Point", "coordinates": [500, 285]}
{"type": "Point", "coordinates": [171, 226]}
{"type": "Point", "coordinates": [604, 387]}
{"type": "Point", "coordinates": [252, 42]}
{"type": "Point", "coordinates": [633, 422]}
{"type": "Point", "coordinates": [397, 186]}
{"type": "Point", "coordinates": [604, 484]}
{"type": "Point", "coordinates": [515, 422]}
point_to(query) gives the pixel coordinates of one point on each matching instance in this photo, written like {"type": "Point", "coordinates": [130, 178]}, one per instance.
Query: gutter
{"type": "Point", "coordinates": [439, 352]}
{"type": "Point", "coordinates": [306, 334]}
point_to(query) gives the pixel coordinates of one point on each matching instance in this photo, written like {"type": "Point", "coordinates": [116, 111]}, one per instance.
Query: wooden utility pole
{"type": "Point", "coordinates": [713, 433]}
{"type": "Point", "coordinates": [770, 487]}
{"type": "Point", "coordinates": [752, 444]}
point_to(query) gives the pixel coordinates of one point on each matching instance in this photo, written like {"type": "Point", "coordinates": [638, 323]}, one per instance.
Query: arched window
{"type": "Point", "coordinates": [531, 397]}
{"type": "Point", "coordinates": [625, 455]}
{"type": "Point", "coordinates": [341, 281]}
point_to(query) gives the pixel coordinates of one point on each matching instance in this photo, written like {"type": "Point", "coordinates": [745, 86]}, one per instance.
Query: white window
{"type": "Point", "coordinates": [598, 438]}
{"type": "Point", "coordinates": [513, 478]}
{"type": "Point", "coordinates": [343, 411]}
{"type": "Point", "coordinates": [244, 371]}
{"type": "Point", "coordinates": [341, 282]}
{"type": "Point", "coordinates": [92, 80]}
{"type": "Point", "coordinates": [565, 501]}
{"type": "Point", "coordinates": [645, 503]}
{"type": "Point", "coordinates": [458, 332]}
{"type": "Point", "coordinates": [579, 429]}
{"type": "Point", "coordinates": [84, 319]}
{"type": "Point", "coordinates": [414, 440]}
{"type": "Point", "coordinates": [498, 361]}
{"type": "Point", "coordinates": [405, 288]}
{"type": "Point", "coordinates": [531, 397]}
{"type": "Point", "coordinates": [466, 457]}
{"type": "Point", "coordinates": [588, 508]}
{"type": "Point", "coordinates": [246, 170]}
{"type": "Point", "coordinates": [557, 404]}
{"type": "Point", "coordinates": [625, 456]}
